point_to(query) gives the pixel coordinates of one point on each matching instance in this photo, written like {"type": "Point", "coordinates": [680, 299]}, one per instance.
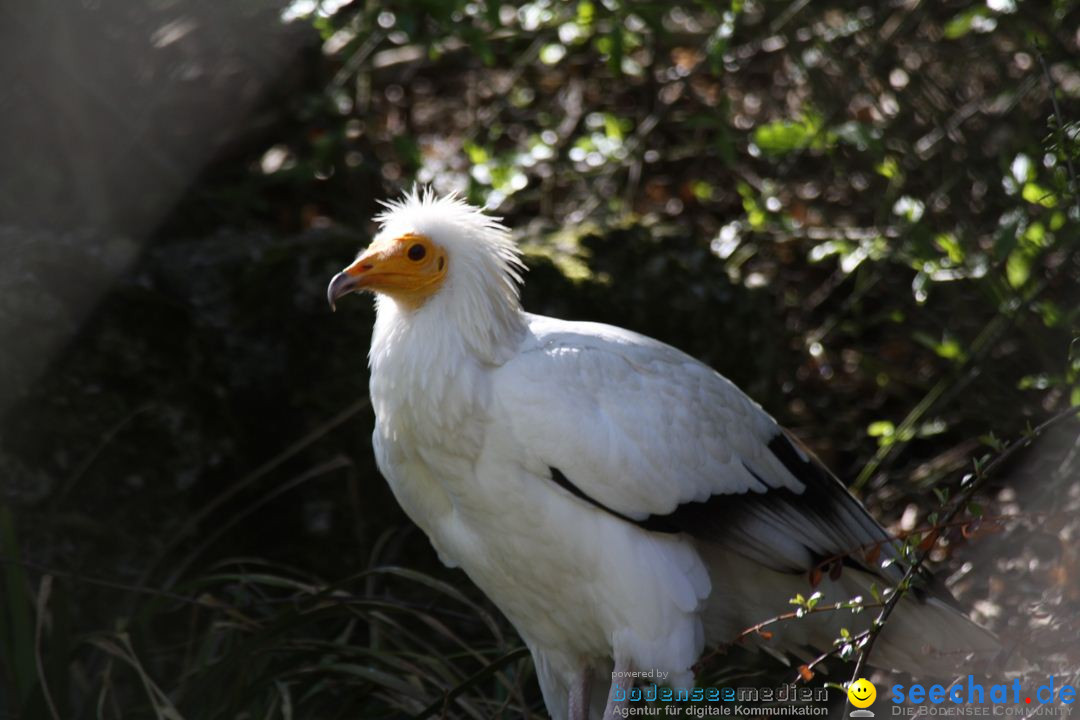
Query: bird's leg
{"type": "Point", "coordinates": [619, 674]}
{"type": "Point", "coordinates": [579, 696]}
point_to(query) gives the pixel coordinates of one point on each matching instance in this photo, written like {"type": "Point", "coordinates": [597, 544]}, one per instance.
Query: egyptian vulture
{"type": "Point", "coordinates": [624, 505]}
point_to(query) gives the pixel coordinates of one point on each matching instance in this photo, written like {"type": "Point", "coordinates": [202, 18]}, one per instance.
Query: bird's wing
{"type": "Point", "coordinates": [643, 431]}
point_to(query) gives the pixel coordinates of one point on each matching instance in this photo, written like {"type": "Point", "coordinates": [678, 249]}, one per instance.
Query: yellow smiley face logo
{"type": "Point", "coordinates": [862, 693]}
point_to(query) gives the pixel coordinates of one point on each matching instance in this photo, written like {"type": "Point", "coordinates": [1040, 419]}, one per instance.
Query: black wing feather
{"type": "Point", "coordinates": [845, 531]}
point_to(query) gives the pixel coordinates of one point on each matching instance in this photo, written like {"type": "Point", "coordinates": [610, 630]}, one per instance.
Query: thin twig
{"type": "Point", "coordinates": [759, 628]}
{"type": "Point", "coordinates": [856, 639]}
{"type": "Point", "coordinates": [961, 503]}
{"type": "Point", "coordinates": [928, 530]}
{"type": "Point", "coordinates": [936, 528]}
{"type": "Point", "coordinates": [1062, 138]}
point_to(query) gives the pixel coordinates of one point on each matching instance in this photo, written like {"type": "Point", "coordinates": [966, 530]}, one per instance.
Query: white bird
{"type": "Point", "coordinates": [624, 505]}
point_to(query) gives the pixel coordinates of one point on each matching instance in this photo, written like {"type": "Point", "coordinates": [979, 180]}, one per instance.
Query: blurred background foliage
{"type": "Point", "coordinates": [865, 214]}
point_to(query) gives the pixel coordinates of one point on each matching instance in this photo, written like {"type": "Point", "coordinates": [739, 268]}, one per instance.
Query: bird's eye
{"type": "Point", "coordinates": [417, 252]}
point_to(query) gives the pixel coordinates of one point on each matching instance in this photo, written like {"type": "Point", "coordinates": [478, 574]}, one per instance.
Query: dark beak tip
{"type": "Point", "coordinates": [340, 284]}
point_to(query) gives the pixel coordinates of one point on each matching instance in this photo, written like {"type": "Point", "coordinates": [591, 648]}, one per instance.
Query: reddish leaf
{"type": "Point", "coordinates": [929, 540]}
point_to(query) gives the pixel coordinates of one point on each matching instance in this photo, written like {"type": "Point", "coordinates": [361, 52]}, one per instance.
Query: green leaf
{"type": "Point", "coordinates": [784, 136]}
{"type": "Point", "coordinates": [1050, 312]}
{"type": "Point", "coordinates": [881, 428]}
{"type": "Point", "coordinates": [613, 127]}
{"type": "Point", "coordinates": [552, 53]}
{"type": "Point", "coordinates": [1035, 236]}
{"type": "Point", "coordinates": [977, 18]}
{"type": "Point", "coordinates": [1038, 195]}
{"type": "Point", "coordinates": [1018, 267]}
{"type": "Point", "coordinates": [476, 153]}
{"type": "Point", "coordinates": [1039, 381]}
{"type": "Point", "coordinates": [948, 348]}
{"type": "Point", "coordinates": [586, 13]}
{"type": "Point", "coordinates": [888, 167]}
{"type": "Point", "coordinates": [951, 246]}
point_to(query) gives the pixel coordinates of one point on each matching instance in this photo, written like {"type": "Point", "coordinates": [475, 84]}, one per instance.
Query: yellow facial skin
{"type": "Point", "coordinates": [410, 269]}
{"type": "Point", "coordinates": [862, 693]}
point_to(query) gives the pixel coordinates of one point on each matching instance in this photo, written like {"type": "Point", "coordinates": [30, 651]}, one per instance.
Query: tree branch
{"type": "Point", "coordinates": [980, 477]}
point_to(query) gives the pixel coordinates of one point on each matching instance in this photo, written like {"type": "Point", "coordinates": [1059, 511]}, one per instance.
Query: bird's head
{"type": "Point", "coordinates": [429, 246]}
{"type": "Point", "coordinates": [409, 268]}
{"type": "Point", "coordinates": [446, 261]}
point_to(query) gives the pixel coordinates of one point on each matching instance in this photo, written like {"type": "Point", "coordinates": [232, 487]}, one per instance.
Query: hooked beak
{"type": "Point", "coordinates": [348, 280]}
{"type": "Point", "coordinates": [341, 284]}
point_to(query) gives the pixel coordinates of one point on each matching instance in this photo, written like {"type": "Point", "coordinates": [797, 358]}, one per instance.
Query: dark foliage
{"type": "Point", "coordinates": [864, 214]}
